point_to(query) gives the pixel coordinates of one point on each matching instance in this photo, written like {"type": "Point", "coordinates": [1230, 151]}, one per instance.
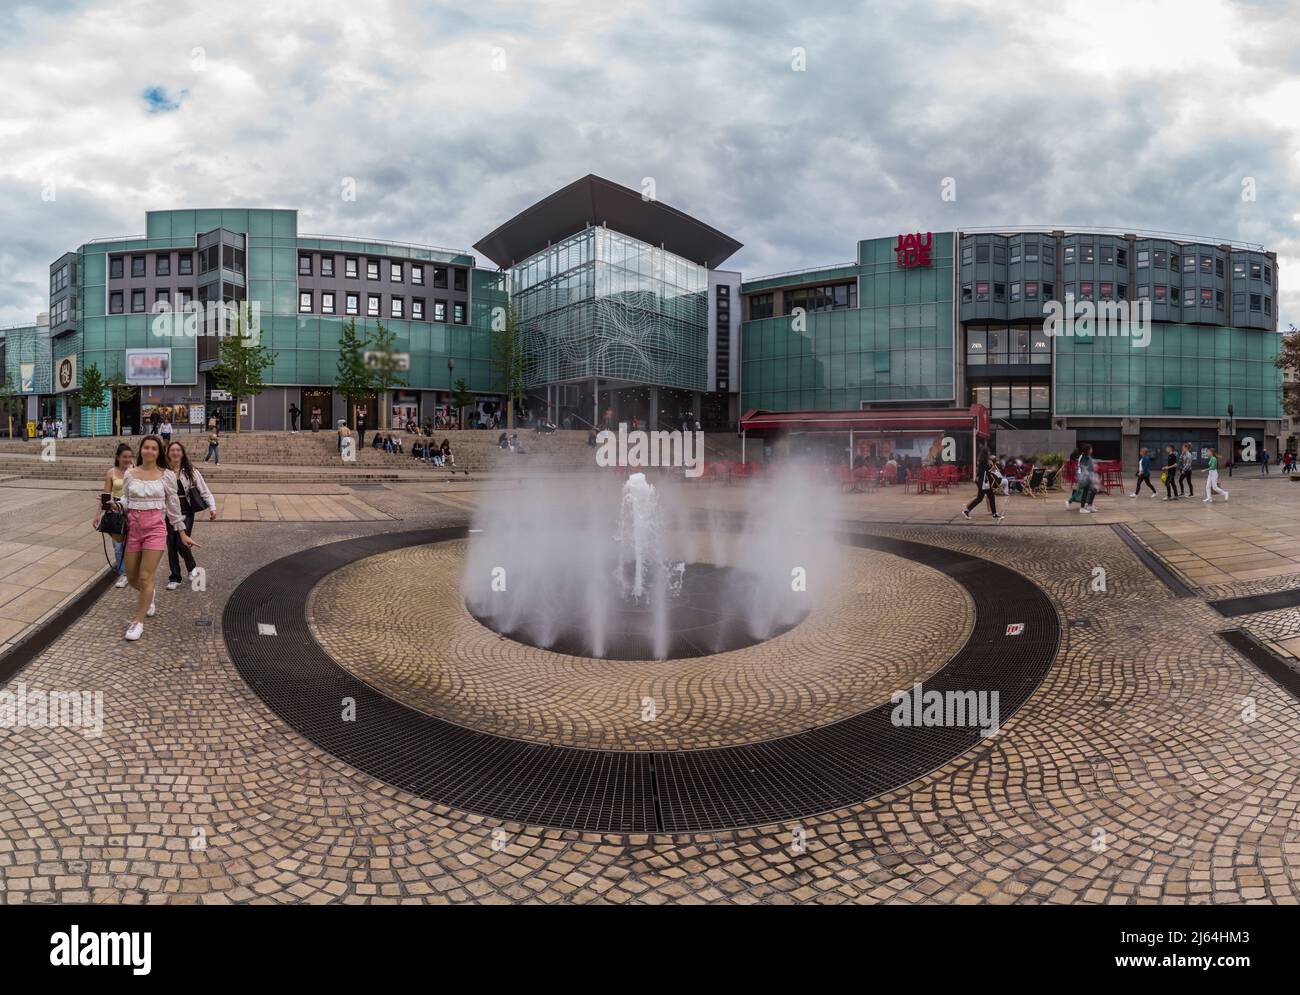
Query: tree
{"type": "Point", "coordinates": [10, 405]}
{"type": "Point", "coordinates": [461, 398]}
{"type": "Point", "coordinates": [509, 358]}
{"type": "Point", "coordinates": [123, 393]}
{"type": "Point", "coordinates": [384, 372]}
{"type": "Point", "coordinates": [92, 392]}
{"type": "Point", "coordinates": [353, 379]}
{"type": "Point", "coordinates": [1288, 361]}
{"type": "Point", "coordinates": [240, 365]}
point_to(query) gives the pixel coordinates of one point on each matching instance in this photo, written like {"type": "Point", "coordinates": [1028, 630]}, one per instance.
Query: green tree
{"type": "Point", "coordinates": [461, 398]}
{"type": "Point", "coordinates": [241, 363]}
{"type": "Point", "coordinates": [509, 358]}
{"type": "Point", "coordinates": [123, 393]}
{"type": "Point", "coordinates": [353, 379]}
{"type": "Point", "coordinates": [383, 368]}
{"type": "Point", "coordinates": [92, 392]}
{"type": "Point", "coordinates": [1288, 361]}
{"type": "Point", "coordinates": [11, 407]}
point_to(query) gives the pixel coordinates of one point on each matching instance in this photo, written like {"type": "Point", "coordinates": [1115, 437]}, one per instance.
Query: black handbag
{"type": "Point", "coordinates": [113, 523]}
{"type": "Point", "coordinates": [192, 501]}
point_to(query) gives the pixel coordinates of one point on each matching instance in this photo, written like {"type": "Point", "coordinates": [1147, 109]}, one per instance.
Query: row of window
{"type": "Point", "coordinates": [60, 312]}
{"type": "Point", "coordinates": [162, 265]}
{"type": "Point", "coordinates": [396, 270]}
{"type": "Point", "coordinates": [825, 298]}
{"type": "Point", "coordinates": [1007, 346]}
{"type": "Point", "coordinates": [1013, 400]}
{"type": "Point", "coordinates": [1030, 252]}
{"type": "Point", "coordinates": [1087, 254]}
{"type": "Point", "coordinates": [177, 299]}
{"type": "Point", "coordinates": [374, 306]}
{"type": "Point", "coordinates": [59, 279]}
{"type": "Point", "coordinates": [979, 291]}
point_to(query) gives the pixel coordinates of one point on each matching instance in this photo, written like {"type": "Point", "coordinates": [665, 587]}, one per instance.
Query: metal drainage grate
{"type": "Point", "coordinates": [629, 792]}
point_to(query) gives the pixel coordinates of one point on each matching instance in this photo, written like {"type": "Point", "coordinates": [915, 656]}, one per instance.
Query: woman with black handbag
{"type": "Point", "coordinates": [195, 497]}
{"type": "Point", "coordinates": [111, 517]}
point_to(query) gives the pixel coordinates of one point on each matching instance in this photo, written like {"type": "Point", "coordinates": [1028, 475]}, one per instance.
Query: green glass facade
{"type": "Point", "coordinates": [1193, 371]}
{"type": "Point", "coordinates": [896, 345]}
{"type": "Point", "coordinates": [604, 305]}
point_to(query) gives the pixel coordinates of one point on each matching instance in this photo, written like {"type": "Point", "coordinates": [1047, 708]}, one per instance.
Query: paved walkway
{"type": "Point", "coordinates": [1154, 763]}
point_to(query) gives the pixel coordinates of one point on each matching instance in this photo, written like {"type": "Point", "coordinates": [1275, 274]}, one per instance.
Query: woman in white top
{"type": "Point", "coordinates": [148, 491]}
{"type": "Point", "coordinates": [194, 497]}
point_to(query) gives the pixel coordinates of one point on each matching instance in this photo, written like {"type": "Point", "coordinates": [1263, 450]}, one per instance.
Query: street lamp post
{"type": "Point", "coordinates": [451, 365]}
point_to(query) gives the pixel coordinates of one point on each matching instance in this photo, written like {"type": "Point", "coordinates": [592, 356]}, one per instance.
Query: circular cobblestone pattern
{"type": "Point", "coordinates": [890, 623]}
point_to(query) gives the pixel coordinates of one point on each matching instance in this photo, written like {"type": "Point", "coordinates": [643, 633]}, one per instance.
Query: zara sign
{"type": "Point", "coordinates": [913, 252]}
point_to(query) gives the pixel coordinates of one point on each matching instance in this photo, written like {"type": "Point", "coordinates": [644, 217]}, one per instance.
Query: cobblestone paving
{"type": "Point", "coordinates": [1136, 773]}
{"type": "Point", "coordinates": [892, 623]}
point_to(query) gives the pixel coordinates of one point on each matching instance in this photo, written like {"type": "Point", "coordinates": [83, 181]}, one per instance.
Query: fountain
{"type": "Point", "coordinates": [627, 575]}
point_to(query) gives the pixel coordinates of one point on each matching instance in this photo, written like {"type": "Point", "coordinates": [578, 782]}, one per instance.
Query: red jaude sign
{"type": "Point", "coordinates": [912, 251]}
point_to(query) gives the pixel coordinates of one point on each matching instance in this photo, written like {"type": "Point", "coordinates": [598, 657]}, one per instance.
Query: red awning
{"type": "Point", "coordinates": [975, 418]}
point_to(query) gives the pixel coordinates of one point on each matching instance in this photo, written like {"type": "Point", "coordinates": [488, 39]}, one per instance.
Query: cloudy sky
{"type": "Point", "coordinates": [450, 117]}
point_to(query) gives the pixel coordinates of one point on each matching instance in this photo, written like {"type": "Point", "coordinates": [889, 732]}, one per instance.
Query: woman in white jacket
{"type": "Point", "coordinates": [150, 499]}
{"type": "Point", "coordinates": [194, 496]}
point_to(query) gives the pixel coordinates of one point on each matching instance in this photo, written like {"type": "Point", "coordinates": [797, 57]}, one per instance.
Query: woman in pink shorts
{"type": "Point", "coordinates": [149, 493]}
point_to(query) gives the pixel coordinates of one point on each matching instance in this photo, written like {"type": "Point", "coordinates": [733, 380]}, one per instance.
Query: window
{"type": "Point", "coordinates": [1049, 255]}
{"type": "Point", "coordinates": [183, 299]}
{"type": "Point", "coordinates": [1068, 255]}
{"type": "Point", "coordinates": [1268, 276]}
{"type": "Point", "coordinates": [1239, 301]}
{"type": "Point", "coordinates": [1121, 257]}
{"type": "Point", "coordinates": [1106, 292]}
{"type": "Point", "coordinates": [1108, 254]}
{"type": "Point", "coordinates": [1070, 291]}
{"type": "Point", "coordinates": [760, 306]}
{"type": "Point", "coordinates": [981, 253]}
{"type": "Point", "coordinates": [115, 302]}
{"type": "Point", "coordinates": [1144, 259]}
{"type": "Point", "coordinates": [161, 296]}
{"type": "Point", "coordinates": [115, 269]}
{"type": "Point", "coordinates": [1255, 269]}
{"type": "Point", "coordinates": [1048, 290]}
{"type": "Point", "coordinates": [1086, 253]}
{"type": "Point", "coordinates": [981, 290]}
{"type": "Point", "coordinates": [1040, 347]}
{"type": "Point", "coordinates": [372, 305]}
{"type": "Point", "coordinates": [417, 274]}
{"type": "Point", "coordinates": [162, 265]}
{"type": "Point", "coordinates": [1207, 264]}
{"type": "Point", "coordinates": [1218, 300]}
{"type": "Point", "coordinates": [1239, 270]}
{"type": "Point", "coordinates": [137, 299]}
{"type": "Point", "coordinates": [458, 313]}
{"type": "Point", "coordinates": [440, 311]}
{"type": "Point", "coordinates": [1207, 297]}
{"type": "Point", "coordinates": [999, 291]}
{"type": "Point", "coordinates": [458, 282]}
{"type": "Point", "coordinates": [352, 303]}
{"type": "Point", "coordinates": [137, 265]}
{"type": "Point", "coordinates": [350, 267]}
{"type": "Point", "coordinates": [232, 258]}
{"type": "Point", "coordinates": [1255, 302]}
{"type": "Point", "coordinates": [396, 307]}
{"type": "Point", "coordinates": [976, 347]}
{"type": "Point", "coordinates": [440, 276]}
{"type": "Point", "coordinates": [1158, 259]}
{"type": "Point", "coordinates": [967, 254]}
{"type": "Point", "coordinates": [966, 295]}
{"type": "Point", "coordinates": [1031, 253]}
{"type": "Point", "coordinates": [395, 272]}
{"type": "Point", "coordinates": [823, 298]}
{"type": "Point", "coordinates": [1144, 292]}
{"type": "Point", "coordinates": [1085, 290]}
{"type": "Point", "coordinates": [326, 265]}
{"type": "Point", "coordinates": [1189, 263]}
{"type": "Point", "coordinates": [185, 264]}
{"type": "Point", "coordinates": [1015, 293]}
{"type": "Point", "coordinates": [1031, 290]}
{"type": "Point", "coordinates": [417, 308]}
{"type": "Point", "coordinates": [372, 269]}
{"type": "Point", "coordinates": [327, 302]}
{"type": "Point", "coordinates": [1268, 305]}
{"type": "Point", "coordinates": [1189, 297]}
{"type": "Point", "coordinates": [1015, 255]}
{"type": "Point", "coordinates": [304, 265]}
{"type": "Point", "coordinates": [304, 302]}
{"type": "Point", "coordinates": [999, 255]}
{"type": "Point", "coordinates": [1161, 291]}
{"type": "Point", "coordinates": [996, 351]}
{"type": "Point", "coordinates": [1218, 267]}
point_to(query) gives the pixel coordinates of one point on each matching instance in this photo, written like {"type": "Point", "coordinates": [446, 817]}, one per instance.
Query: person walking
{"type": "Point", "coordinates": [361, 427]}
{"type": "Point", "coordinates": [166, 430]}
{"type": "Point", "coordinates": [1185, 462]}
{"type": "Point", "coordinates": [987, 479]}
{"type": "Point", "coordinates": [1212, 479]}
{"type": "Point", "coordinates": [214, 441]}
{"type": "Point", "coordinates": [344, 433]}
{"type": "Point", "coordinates": [1144, 474]}
{"type": "Point", "coordinates": [315, 419]}
{"type": "Point", "coordinates": [1088, 480]}
{"type": "Point", "coordinates": [110, 500]}
{"type": "Point", "coordinates": [1263, 464]}
{"type": "Point", "coordinates": [150, 497]}
{"type": "Point", "coordinates": [1170, 473]}
{"type": "Point", "coordinates": [194, 497]}
{"type": "Point", "coordinates": [294, 412]}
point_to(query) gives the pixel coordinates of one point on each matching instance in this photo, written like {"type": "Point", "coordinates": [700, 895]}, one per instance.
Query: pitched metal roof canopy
{"type": "Point", "coordinates": [595, 201]}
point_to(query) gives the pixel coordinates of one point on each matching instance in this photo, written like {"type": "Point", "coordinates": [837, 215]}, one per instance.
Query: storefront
{"type": "Point", "coordinates": [317, 407]}
{"type": "Point", "coordinates": [406, 409]}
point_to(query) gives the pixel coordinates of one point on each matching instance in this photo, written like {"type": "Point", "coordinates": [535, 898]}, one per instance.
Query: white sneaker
{"type": "Point", "coordinates": [173, 584]}
{"type": "Point", "coordinates": [1208, 501]}
{"type": "Point", "coordinates": [1083, 511]}
{"type": "Point", "coordinates": [153, 610]}
{"type": "Point", "coordinates": [134, 631]}
{"type": "Point", "coordinates": [1069, 503]}
{"type": "Point", "coordinates": [121, 581]}
{"type": "Point", "coordinates": [1154, 494]}
{"type": "Point", "coordinates": [1225, 495]}
{"type": "Point", "coordinates": [1132, 495]}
